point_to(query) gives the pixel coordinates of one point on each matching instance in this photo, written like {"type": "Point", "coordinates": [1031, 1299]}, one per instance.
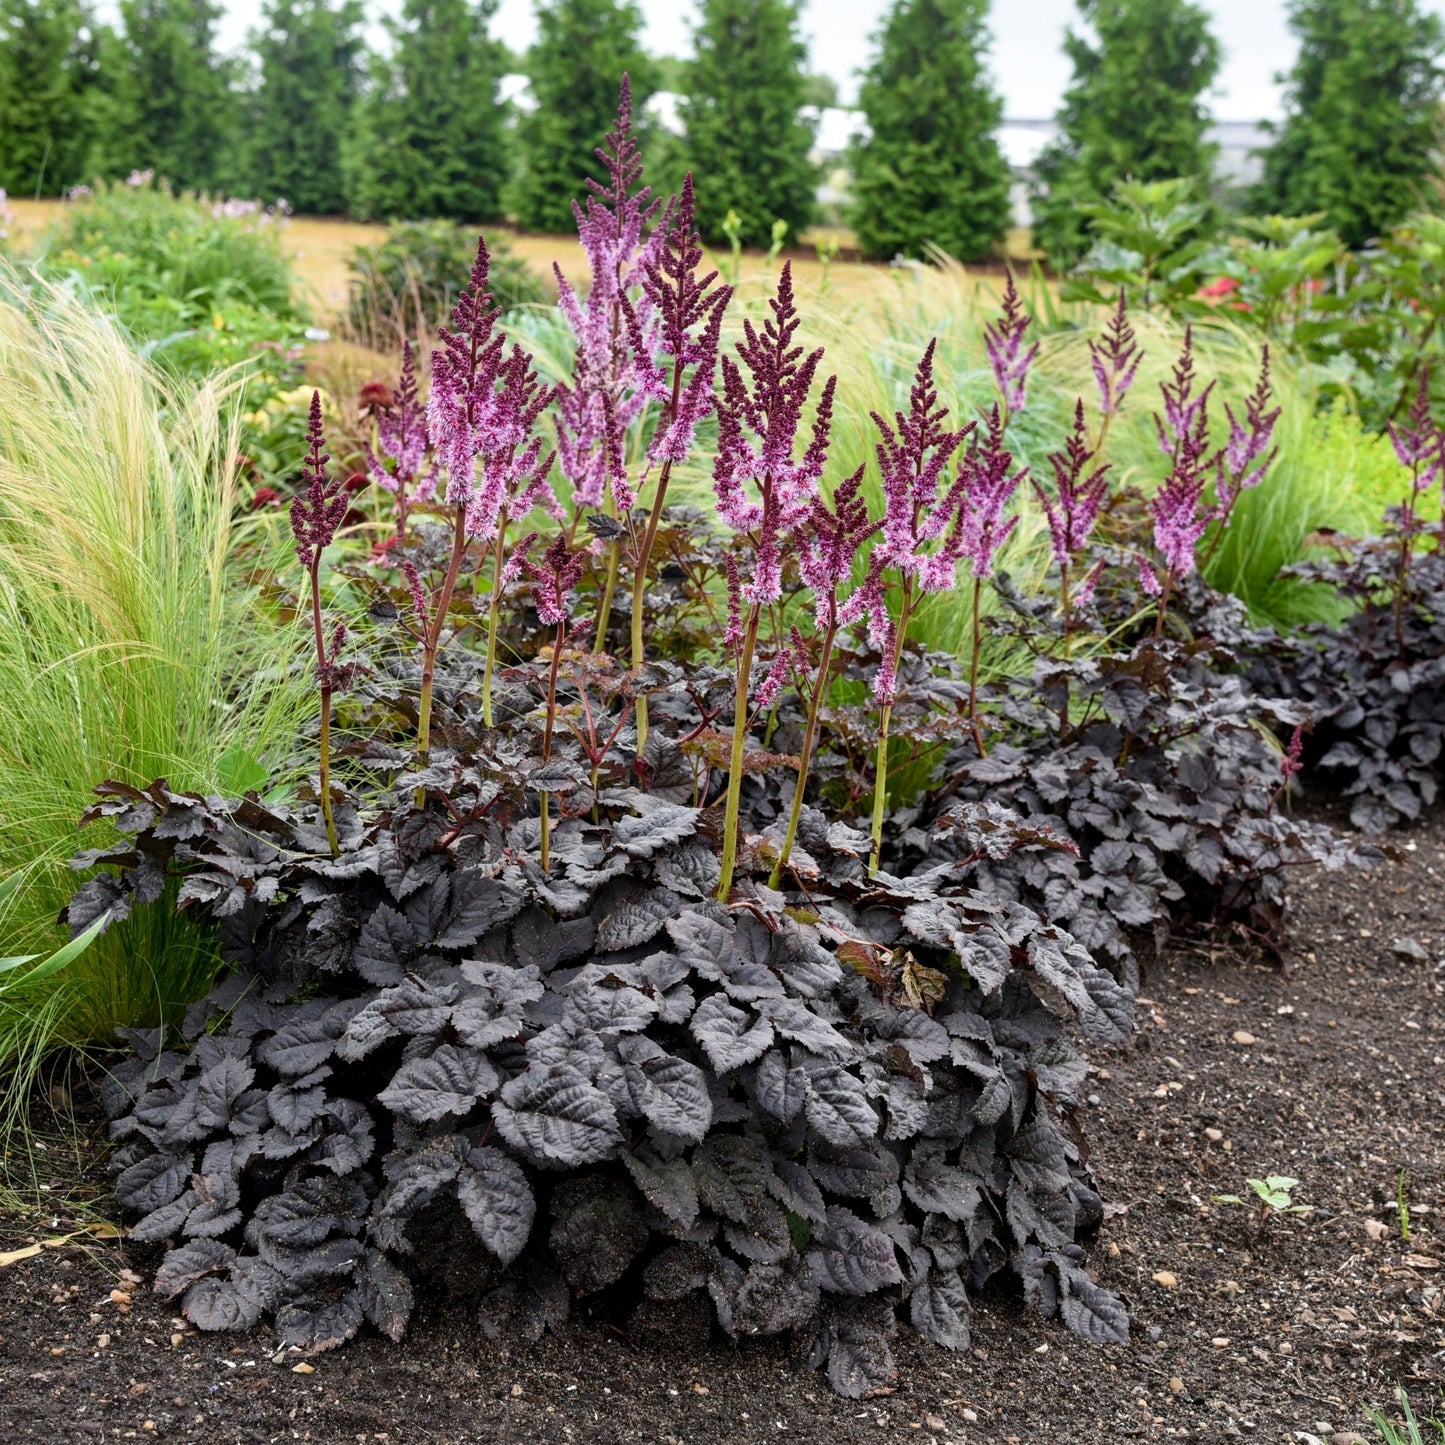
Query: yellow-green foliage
{"type": "Point", "coordinates": [128, 647]}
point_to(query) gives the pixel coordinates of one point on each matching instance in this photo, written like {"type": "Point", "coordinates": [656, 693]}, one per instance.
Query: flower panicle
{"type": "Point", "coordinates": [1420, 442]}
{"type": "Point", "coordinates": [1180, 519]}
{"type": "Point", "coordinates": [670, 281]}
{"type": "Point", "coordinates": [1080, 492]}
{"type": "Point", "coordinates": [1291, 760]}
{"type": "Point", "coordinates": [1115, 358]}
{"type": "Point", "coordinates": [986, 484]}
{"type": "Point", "coordinates": [1007, 358]}
{"type": "Point", "coordinates": [401, 433]}
{"type": "Point", "coordinates": [318, 512]}
{"type": "Point", "coordinates": [553, 579]}
{"type": "Point", "coordinates": [1245, 458]}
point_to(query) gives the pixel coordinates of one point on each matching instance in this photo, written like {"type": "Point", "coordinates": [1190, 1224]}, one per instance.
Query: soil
{"type": "Point", "coordinates": [1328, 1071]}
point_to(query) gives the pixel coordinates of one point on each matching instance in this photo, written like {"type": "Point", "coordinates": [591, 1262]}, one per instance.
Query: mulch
{"type": "Point", "coordinates": [1328, 1071]}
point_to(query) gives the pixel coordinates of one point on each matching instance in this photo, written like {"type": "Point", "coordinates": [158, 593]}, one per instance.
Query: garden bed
{"type": "Point", "coordinates": [1321, 1317]}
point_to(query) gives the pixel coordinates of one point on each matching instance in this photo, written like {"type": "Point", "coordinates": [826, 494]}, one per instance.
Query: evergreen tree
{"type": "Point", "coordinates": [432, 139]}
{"type": "Point", "coordinates": [176, 108]}
{"type": "Point", "coordinates": [309, 55]}
{"type": "Point", "coordinates": [931, 171]}
{"type": "Point", "coordinates": [582, 49]}
{"type": "Point", "coordinates": [54, 106]}
{"type": "Point", "coordinates": [1362, 115]}
{"type": "Point", "coordinates": [1133, 111]}
{"type": "Point", "coordinates": [746, 138]}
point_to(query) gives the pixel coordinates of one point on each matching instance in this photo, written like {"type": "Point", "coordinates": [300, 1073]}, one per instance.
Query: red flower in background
{"type": "Point", "coordinates": [265, 497]}
{"type": "Point", "coordinates": [1225, 286]}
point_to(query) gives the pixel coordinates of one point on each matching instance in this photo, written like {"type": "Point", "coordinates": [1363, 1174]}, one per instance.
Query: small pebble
{"type": "Point", "coordinates": [1155, 1333]}
{"type": "Point", "coordinates": [1244, 1037]}
{"type": "Point", "coordinates": [103, 1341]}
{"type": "Point", "coordinates": [303, 1369]}
{"type": "Point", "coordinates": [1176, 1385]}
{"type": "Point", "coordinates": [1220, 1342]}
{"type": "Point", "coordinates": [971, 1416]}
{"type": "Point", "coordinates": [1113, 1250]}
{"type": "Point", "coordinates": [1165, 1278]}
{"type": "Point", "coordinates": [935, 1422]}
{"type": "Point", "coordinates": [176, 1339]}
{"type": "Point", "coordinates": [1409, 948]}
{"type": "Point", "coordinates": [1214, 1135]}
{"type": "Point", "coordinates": [517, 1392]}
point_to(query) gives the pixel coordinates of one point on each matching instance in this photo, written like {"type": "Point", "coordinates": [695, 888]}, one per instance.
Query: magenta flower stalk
{"type": "Point", "coordinates": [921, 542]}
{"type": "Point", "coordinates": [1420, 445]}
{"type": "Point", "coordinates": [1079, 493]}
{"type": "Point", "coordinates": [401, 437]}
{"type": "Point", "coordinates": [1007, 359]}
{"type": "Point", "coordinates": [1179, 517]}
{"type": "Point", "coordinates": [829, 544]}
{"type": "Point", "coordinates": [1115, 360]}
{"type": "Point", "coordinates": [1244, 459]}
{"type": "Point", "coordinates": [986, 485]}
{"type": "Point", "coordinates": [315, 516]}
{"type": "Point", "coordinates": [614, 376]}
{"type": "Point", "coordinates": [689, 312]}
{"type": "Point", "coordinates": [759, 419]}
{"type": "Point", "coordinates": [553, 581]}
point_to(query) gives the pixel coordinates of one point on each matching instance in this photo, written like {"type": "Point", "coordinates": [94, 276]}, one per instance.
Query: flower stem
{"type": "Point", "coordinates": [431, 646]}
{"type": "Point", "coordinates": [973, 668]}
{"type": "Point", "coordinates": [810, 736]}
{"type": "Point", "coordinates": [735, 769]}
{"type": "Point", "coordinates": [494, 614]}
{"type": "Point", "coordinates": [324, 743]}
{"type": "Point", "coordinates": [644, 552]}
{"type": "Point", "coordinates": [557, 644]}
{"type": "Point", "coordinates": [1164, 602]}
{"type": "Point", "coordinates": [885, 718]}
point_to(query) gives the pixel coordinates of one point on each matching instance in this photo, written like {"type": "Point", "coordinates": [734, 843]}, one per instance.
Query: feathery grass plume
{"type": "Point", "coordinates": [129, 648]}
{"type": "Point", "coordinates": [921, 541]}
{"type": "Point", "coordinates": [689, 312]}
{"type": "Point", "coordinates": [829, 543]}
{"type": "Point", "coordinates": [401, 436]}
{"type": "Point", "coordinates": [1007, 359]}
{"type": "Point", "coordinates": [315, 516]}
{"type": "Point", "coordinates": [759, 418]}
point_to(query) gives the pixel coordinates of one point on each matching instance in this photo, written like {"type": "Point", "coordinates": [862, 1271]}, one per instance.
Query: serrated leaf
{"type": "Point", "coordinates": [236, 1303]}
{"type": "Point", "coordinates": [450, 1081]}
{"type": "Point", "coordinates": [793, 1019]}
{"type": "Point", "coordinates": [384, 946]}
{"type": "Point", "coordinates": [384, 1293]}
{"type": "Point", "coordinates": [479, 904]}
{"type": "Point", "coordinates": [667, 1185]}
{"type": "Point", "coordinates": [781, 1089]}
{"type": "Point", "coordinates": [1091, 1311]}
{"type": "Point", "coordinates": [664, 824]}
{"type": "Point", "coordinates": [667, 1091]}
{"type": "Point", "coordinates": [556, 1116]}
{"type": "Point", "coordinates": [852, 1257]}
{"type": "Point", "coordinates": [837, 1106]}
{"type": "Point", "coordinates": [315, 1325]}
{"type": "Point", "coordinates": [938, 1187]}
{"type": "Point", "coordinates": [496, 1197]}
{"type": "Point", "coordinates": [729, 1037]}
{"type": "Point", "coordinates": [184, 1266]}
{"type": "Point", "coordinates": [635, 920]}
{"type": "Point", "coordinates": [153, 1181]}
{"type": "Point", "coordinates": [860, 1363]}
{"type": "Point", "coordinates": [940, 1310]}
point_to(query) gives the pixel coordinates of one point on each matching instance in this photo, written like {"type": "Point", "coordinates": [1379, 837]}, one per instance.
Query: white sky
{"type": "Point", "coordinates": [1027, 61]}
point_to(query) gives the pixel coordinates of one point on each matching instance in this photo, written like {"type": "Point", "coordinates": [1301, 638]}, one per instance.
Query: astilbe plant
{"type": "Point", "coordinates": [315, 516]}
{"type": "Point", "coordinates": [1008, 358]}
{"type": "Point", "coordinates": [1115, 359]}
{"type": "Point", "coordinates": [396, 460]}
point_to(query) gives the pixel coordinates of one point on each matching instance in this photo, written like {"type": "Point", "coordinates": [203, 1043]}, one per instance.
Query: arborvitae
{"type": "Point", "coordinates": [432, 139]}
{"type": "Point", "coordinates": [583, 48]}
{"type": "Point", "coordinates": [54, 108]}
{"type": "Point", "coordinates": [309, 56]}
{"type": "Point", "coordinates": [177, 110]}
{"type": "Point", "coordinates": [1362, 118]}
{"type": "Point", "coordinates": [746, 138]}
{"type": "Point", "coordinates": [930, 170]}
{"type": "Point", "coordinates": [1133, 111]}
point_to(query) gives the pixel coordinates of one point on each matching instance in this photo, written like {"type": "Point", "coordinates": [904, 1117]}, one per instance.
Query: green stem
{"type": "Point", "coordinates": [431, 646]}
{"type": "Point", "coordinates": [735, 769]}
{"type": "Point", "coordinates": [1164, 603]}
{"type": "Point", "coordinates": [557, 645]}
{"type": "Point", "coordinates": [810, 734]}
{"type": "Point", "coordinates": [609, 590]}
{"type": "Point", "coordinates": [885, 718]}
{"type": "Point", "coordinates": [494, 613]}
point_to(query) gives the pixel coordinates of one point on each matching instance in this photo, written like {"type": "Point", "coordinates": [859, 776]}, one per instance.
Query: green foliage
{"type": "Point", "coordinates": [583, 49]}
{"type": "Point", "coordinates": [177, 111]}
{"type": "Point", "coordinates": [1411, 1432]}
{"type": "Point", "coordinates": [1150, 241]}
{"type": "Point", "coordinates": [125, 643]}
{"type": "Point", "coordinates": [309, 56]}
{"type": "Point", "coordinates": [1133, 111]}
{"type": "Point", "coordinates": [432, 138]}
{"type": "Point", "coordinates": [54, 111]}
{"type": "Point", "coordinates": [1272, 1195]}
{"type": "Point", "coordinates": [1362, 120]}
{"type": "Point", "coordinates": [408, 283]}
{"type": "Point", "coordinates": [930, 172]}
{"type": "Point", "coordinates": [746, 139]}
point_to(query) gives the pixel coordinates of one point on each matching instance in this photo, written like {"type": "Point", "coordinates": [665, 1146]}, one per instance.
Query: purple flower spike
{"type": "Point", "coordinates": [553, 579]}
{"type": "Point", "coordinates": [1420, 443]}
{"type": "Point", "coordinates": [913, 453]}
{"type": "Point", "coordinates": [759, 419]}
{"type": "Point", "coordinates": [1115, 359]}
{"type": "Point", "coordinates": [615, 374]}
{"type": "Point", "coordinates": [985, 486]}
{"type": "Point", "coordinates": [829, 545]}
{"type": "Point", "coordinates": [1081, 492]}
{"type": "Point", "coordinates": [316, 515]}
{"type": "Point", "coordinates": [1179, 518]}
{"type": "Point", "coordinates": [1246, 456]}
{"type": "Point", "coordinates": [1184, 420]}
{"type": "Point", "coordinates": [1292, 760]}
{"type": "Point", "coordinates": [401, 432]}
{"type": "Point", "coordinates": [1007, 358]}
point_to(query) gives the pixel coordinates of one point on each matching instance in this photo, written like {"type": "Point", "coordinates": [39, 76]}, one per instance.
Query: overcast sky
{"type": "Point", "coordinates": [1027, 61]}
